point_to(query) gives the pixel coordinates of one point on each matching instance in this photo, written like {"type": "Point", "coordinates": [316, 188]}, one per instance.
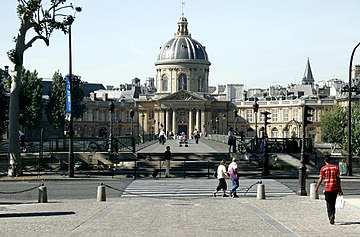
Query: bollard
{"type": "Point", "coordinates": [313, 194]}
{"type": "Point", "coordinates": [260, 191]}
{"type": "Point", "coordinates": [42, 194]}
{"type": "Point", "coordinates": [101, 194]}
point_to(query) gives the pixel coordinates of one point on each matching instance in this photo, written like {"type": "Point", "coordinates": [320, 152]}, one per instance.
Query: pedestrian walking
{"type": "Point", "coordinates": [221, 175]}
{"type": "Point", "coordinates": [162, 137]}
{"type": "Point", "coordinates": [167, 159]}
{"type": "Point", "coordinates": [231, 140]}
{"type": "Point", "coordinates": [332, 187]}
{"type": "Point", "coordinates": [234, 176]}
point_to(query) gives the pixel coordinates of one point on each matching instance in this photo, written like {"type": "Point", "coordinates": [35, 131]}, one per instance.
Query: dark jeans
{"type": "Point", "coordinates": [330, 198]}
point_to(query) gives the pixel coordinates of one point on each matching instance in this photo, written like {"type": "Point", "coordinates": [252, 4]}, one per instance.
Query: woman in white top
{"type": "Point", "coordinates": [221, 175]}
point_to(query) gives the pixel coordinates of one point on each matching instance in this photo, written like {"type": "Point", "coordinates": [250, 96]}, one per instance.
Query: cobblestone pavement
{"type": "Point", "coordinates": [283, 214]}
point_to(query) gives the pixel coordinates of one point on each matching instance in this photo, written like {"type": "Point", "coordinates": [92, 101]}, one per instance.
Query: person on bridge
{"type": "Point", "coordinates": [221, 175]}
{"type": "Point", "coordinates": [162, 137]}
{"type": "Point", "coordinates": [231, 140]}
{"type": "Point", "coordinates": [330, 173]}
{"type": "Point", "coordinates": [234, 176]}
{"type": "Point", "coordinates": [167, 159]}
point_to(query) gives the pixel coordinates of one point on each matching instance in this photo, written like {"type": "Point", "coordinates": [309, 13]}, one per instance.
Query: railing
{"type": "Point", "coordinates": [80, 144]}
{"type": "Point", "coordinates": [276, 145]}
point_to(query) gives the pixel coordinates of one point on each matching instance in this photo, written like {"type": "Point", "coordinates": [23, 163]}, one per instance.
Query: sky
{"type": "Point", "coordinates": [257, 43]}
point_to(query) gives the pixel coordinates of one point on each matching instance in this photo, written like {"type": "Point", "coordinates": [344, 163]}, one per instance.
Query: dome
{"type": "Point", "coordinates": [182, 47]}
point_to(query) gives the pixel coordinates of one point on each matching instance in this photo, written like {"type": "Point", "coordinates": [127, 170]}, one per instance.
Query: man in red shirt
{"type": "Point", "coordinates": [330, 173]}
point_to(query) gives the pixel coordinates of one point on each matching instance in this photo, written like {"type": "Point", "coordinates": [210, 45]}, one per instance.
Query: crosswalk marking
{"type": "Point", "coordinates": [174, 187]}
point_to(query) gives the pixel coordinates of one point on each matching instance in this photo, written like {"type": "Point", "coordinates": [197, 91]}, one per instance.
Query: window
{"type": "Point", "coordinates": [201, 84]}
{"type": "Point", "coordinates": [182, 82]}
{"type": "Point", "coordinates": [285, 115]}
{"type": "Point", "coordinates": [295, 114]}
{"type": "Point", "coordinates": [249, 115]}
{"type": "Point", "coordinates": [274, 115]}
{"type": "Point", "coordinates": [274, 133]}
{"type": "Point", "coordinates": [164, 83]}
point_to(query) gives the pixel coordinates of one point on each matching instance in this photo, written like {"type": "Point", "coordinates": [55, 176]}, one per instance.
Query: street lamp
{"type": "Point", "coordinates": [143, 129]}
{"type": "Point", "coordinates": [256, 109]}
{"type": "Point", "coordinates": [132, 113]}
{"type": "Point", "coordinates": [70, 20]}
{"type": "Point", "coordinates": [349, 114]}
{"type": "Point", "coordinates": [111, 109]}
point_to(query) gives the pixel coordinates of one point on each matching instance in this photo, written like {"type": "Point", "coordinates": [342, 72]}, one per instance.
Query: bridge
{"type": "Point", "coordinates": [140, 160]}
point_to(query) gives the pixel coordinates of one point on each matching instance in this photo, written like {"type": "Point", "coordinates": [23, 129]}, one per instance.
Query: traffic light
{"type": "Point", "coordinates": [266, 118]}
{"type": "Point", "coordinates": [308, 113]}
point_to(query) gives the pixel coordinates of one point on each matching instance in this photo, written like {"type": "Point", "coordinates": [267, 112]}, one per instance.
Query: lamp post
{"type": "Point", "coordinates": [132, 113]}
{"type": "Point", "coordinates": [256, 109]}
{"type": "Point", "coordinates": [71, 172]}
{"type": "Point", "coordinates": [143, 129]}
{"type": "Point", "coordinates": [224, 123]}
{"type": "Point", "coordinates": [111, 109]}
{"type": "Point", "coordinates": [349, 114]}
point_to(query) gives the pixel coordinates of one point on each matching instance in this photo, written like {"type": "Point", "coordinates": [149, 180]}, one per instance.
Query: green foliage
{"type": "Point", "coordinates": [30, 108]}
{"type": "Point", "coordinates": [333, 123]}
{"type": "Point", "coordinates": [78, 105]}
{"type": "Point", "coordinates": [355, 131]}
{"type": "Point", "coordinates": [56, 107]}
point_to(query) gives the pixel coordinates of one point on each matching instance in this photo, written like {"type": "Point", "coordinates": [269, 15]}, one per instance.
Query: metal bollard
{"type": "Point", "coordinates": [260, 191]}
{"type": "Point", "coordinates": [42, 194]}
{"type": "Point", "coordinates": [313, 194]}
{"type": "Point", "coordinates": [101, 194]}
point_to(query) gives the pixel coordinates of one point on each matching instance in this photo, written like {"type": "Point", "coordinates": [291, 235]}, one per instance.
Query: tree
{"type": "Point", "coordinates": [355, 131]}
{"type": "Point", "coordinates": [43, 19]}
{"type": "Point", "coordinates": [56, 107]}
{"type": "Point", "coordinates": [333, 123]}
{"type": "Point", "coordinates": [31, 100]}
{"type": "Point", "coordinates": [334, 127]}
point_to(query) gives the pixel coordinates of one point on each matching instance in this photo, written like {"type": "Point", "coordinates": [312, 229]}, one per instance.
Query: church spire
{"type": "Point", "coordinates": [308, 78]}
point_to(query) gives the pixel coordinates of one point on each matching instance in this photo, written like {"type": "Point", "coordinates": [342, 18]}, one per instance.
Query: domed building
{"type": "Point", "coordinates": [182, 102]}
{"type": "Point", "coordinates": [182, 63]}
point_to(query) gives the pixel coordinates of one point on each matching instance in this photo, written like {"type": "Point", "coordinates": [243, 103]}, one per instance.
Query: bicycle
{"type": "Point", "coordinates": [96, 147]}
{"type": "Point", "coordinates": [243, 147]}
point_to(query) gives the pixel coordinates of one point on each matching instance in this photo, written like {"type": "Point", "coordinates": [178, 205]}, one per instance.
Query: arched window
{"type": "Point", "coordinates": [182, 82]}
{"type": "Point", "coordinates": [164, 83]}
{"type": "Point", "coordinates": [201, 84]}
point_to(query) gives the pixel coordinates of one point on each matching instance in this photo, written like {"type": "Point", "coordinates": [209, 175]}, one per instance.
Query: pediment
{"type": "Point", "coordinates": [183, 95]}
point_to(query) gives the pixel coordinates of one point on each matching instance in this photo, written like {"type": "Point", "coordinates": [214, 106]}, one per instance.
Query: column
{"type": "Point", "coordinates": [197, 122]}
{"type": "Point", "coordinates": [203, 121]}
{"type": "Point", "coordinates": [190, 128]}
{"type": "Point", "coordinates": [174, 121]}
{"type": "Point", "coordinates": [167, 120]}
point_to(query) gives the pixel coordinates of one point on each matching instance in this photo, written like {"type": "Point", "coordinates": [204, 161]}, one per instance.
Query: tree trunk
{"type": "Point", "coordinates": [15, 168]}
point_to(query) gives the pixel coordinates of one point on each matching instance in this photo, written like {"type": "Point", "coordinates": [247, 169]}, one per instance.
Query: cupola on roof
{"type": "Point", "coordinates": [182, 46]}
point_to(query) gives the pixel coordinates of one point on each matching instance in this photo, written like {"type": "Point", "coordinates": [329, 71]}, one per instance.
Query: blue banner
{"type": "Point", "coordinates": [68, 98]}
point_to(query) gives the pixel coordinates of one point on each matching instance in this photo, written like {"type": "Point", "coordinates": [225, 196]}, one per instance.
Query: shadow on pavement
{"type": "Point", "coordinates": [34, 214]}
